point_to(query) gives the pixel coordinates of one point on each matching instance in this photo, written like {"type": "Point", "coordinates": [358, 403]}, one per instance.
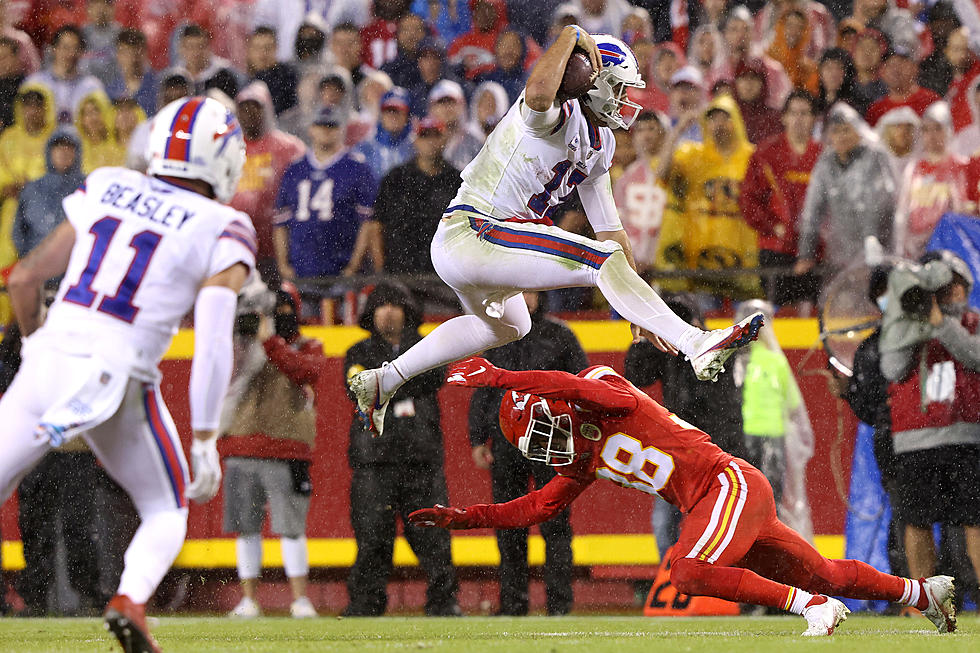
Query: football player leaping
{"type": "Point", "coordinates": [731, 545]}
{"type": "Point", "coordinates": [137, 252]}
{"type": "Point", "coordinates": [496, 239]}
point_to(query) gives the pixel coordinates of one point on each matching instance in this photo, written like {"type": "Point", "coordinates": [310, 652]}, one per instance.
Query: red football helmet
{"type": "Point", "coordinates": [540, 428]}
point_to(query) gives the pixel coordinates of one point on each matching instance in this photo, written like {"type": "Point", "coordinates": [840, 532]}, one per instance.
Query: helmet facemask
{"type": "Point", "coordinates": [608, 99]}
{"type": "Point", "coordinates": [548, 438]}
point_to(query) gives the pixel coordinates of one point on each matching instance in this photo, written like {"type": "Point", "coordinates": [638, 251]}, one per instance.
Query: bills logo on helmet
{"type": "Point", "coordinates": [612, 54]}
{"type": "Point", "coordinates": [229, 129]}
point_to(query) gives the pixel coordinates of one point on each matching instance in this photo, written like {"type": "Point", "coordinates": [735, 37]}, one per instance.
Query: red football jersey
{"type": "Point", "coordinates": [621, 435]}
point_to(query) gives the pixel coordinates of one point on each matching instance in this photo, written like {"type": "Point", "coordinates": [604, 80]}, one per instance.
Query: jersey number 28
{"type": "Point", "coordinates": [119, 305]}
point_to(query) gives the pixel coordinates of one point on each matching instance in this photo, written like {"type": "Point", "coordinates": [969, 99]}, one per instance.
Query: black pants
{"type": "Point", "coordinates": [786, 289]}
{"type": "Point", "coordinates": [511, 472]}
{"type": "Point", "coordinates": [59, 493]}
{"type": "Point", "coordinates": [378, 494]}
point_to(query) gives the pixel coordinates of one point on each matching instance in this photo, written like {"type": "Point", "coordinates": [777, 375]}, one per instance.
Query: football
{"type": "Point", "coordinates": [578, 78]}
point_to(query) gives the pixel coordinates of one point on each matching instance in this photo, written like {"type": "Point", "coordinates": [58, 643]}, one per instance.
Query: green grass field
{"type": "Point", "coordinates": [595, 634]}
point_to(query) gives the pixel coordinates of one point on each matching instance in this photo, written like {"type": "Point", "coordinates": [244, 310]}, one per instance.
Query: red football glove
{"type": "Point", "coordinates": [441, 517]}
{"type": "Point", "coordinates": [473, 372]}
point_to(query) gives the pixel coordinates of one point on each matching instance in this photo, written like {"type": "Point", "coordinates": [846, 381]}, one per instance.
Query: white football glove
{"type": "Point", "coordinates": [207, 470]}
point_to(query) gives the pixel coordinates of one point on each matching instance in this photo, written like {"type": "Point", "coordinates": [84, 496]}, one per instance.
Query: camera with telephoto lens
{"type": "Point", "coordinates": [254, 301]}
{"type": "Point", "coordinates": [918, 284]}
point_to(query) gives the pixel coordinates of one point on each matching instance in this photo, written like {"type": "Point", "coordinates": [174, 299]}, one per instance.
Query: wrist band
{"type": "Point", "coordinates": [578, 33]}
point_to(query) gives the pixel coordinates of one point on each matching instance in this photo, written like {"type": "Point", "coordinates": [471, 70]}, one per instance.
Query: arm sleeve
{"type": "Point", "coordinates": [214, 320]}
{"type": "Point", "coordinates": [755, 198]}
{"type": "Point", "coordinates": [532, 508]}
{"type": "Point", "coordinates": [896, 364]}
{"type": "Point", "coordinates": [594, 394]}
{"type": "Point", "coordinates": [237, 243]}
{"type": "Point", "coordinates": [284, 205]}
{"type": "Point", "coordinates": [597, 200]}
{"type": "Point", "coordinates": [812, 215]}
{"type": "Point", "coordinates": [367, 193]}
{"type": "Point", "coordinates": [301, 366]}
{"type": "Point", "coordinates": [963, 345]}
{"type": "Point", "coordinates": [540, 123]}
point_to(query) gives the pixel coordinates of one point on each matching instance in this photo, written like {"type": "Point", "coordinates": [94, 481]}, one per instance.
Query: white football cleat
{"type": "Point", "coordinates": [301, 608]}
{"type": "Point", "coordinates": [942, 605]}
{"type": "Point", "coordinates": [822, 619]}
{"type": "Point", "coordinates": [372, 406]}
{"type": "Point", "coordinates": [718, 346]}
{"type": "Point", "coordinates": [246, 609]}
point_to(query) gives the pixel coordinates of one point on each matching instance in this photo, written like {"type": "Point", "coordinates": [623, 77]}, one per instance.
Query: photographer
{"type": "Point", "coordinates": [268, 427]}
{"type": "Point", "coordinates": [930, 354]}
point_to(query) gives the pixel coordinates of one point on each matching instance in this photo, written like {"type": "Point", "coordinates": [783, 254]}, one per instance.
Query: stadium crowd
{"type": "Point", "coordinates": [789, 138]}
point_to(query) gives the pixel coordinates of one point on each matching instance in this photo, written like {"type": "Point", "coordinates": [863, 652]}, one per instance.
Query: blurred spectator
{"type": "Point", "coordinates": [602, 16]}
{"type": "Point", "coordinates": [751, 91]}
{"type": "Point", "coordinates": [173, 86]}
{"type": "Point", "coordinates": [333, 90]}
{"type": "Point", "coordinates": [268, 153]}
{"type": "Point", "coordinates": [288, 17]}
{"type": "Point", "coordinates": [715, 406]}
{"type": "Point", "coordinates": [447, 104]}
{"type": "Point", "coordinates": [132, 75]}
{"type": "Point", "coordinates": [488, 105]}
{"type": "Point", "coordinates": [850, 202]}
{"type": "Point", "coordinates": [369, 93]}
{"type": "Point", "coordinates": [848, 31]}
{"type": "Point", "coordinates": [379, 38]}
{"type": "Point", "coordinates": [67, 83]}
{"type": "Point", "coordinates": [639, 198]}
{"type": "Point", "coordinates": [773, 193]}
{"type": "Point", "coordinates": [886, 17]}
{"type": "Point", "coordinates": [391, 144]}
{"type": "Point", "coordinates": [39, 209]}
{"type": "Point", "coordinates": [22, 159]}
{"type": "Point", "coordinates": [95, 123]}
{"type": "Point", "coordinates": [404, 68]}
{"type": "Point", "coordinates": [706, 51]}
{"type": "Point", "coordinates": [410, 202]}
{"type": "Point", "coordinates": [268, 426]}
{"type": "Point", "coordinates": [473, 52]}
{"type": "Point", "coordinates": [739, 47]}
{"type": "Point", "coordinates": [687, 97]}
{"type": "Point", "coordinates": [432, 70]}
{"type": "Point", "coordinates": [666, 59]}
{"type": "Point", "coordinates": [964, 67]}
{"type": "Point", "coordinates": [705, 177]}
{"type": "Point", "coordinates": [509, 71]}
{"type": "Point", "coordinates": [346, 50]}
{"type": "Point", "coordinates": [280, 78]}
{"type": "Point", "coordinates": [11, 77]}
{"type": "Point", "coordinates": [899, 133]}
{"type": "Point", "coordinates": [565, 14]}
{"type": "Point", "coordinates": [324, 208]}
{"type": "Point", "coordinates": [100, 33]}
{"type": "Point", "coordinates": [870, 47]}
{"type": "Point", "coordinates": [836, 80]}
{"type": "Point", "coordinates": [550, 345]}
{"type": "Point", "coordinates": [622, 157]}
{"type": "Point", "coordinates": [930, 354]}
{"type": "Point", "coordinates": [817, 29]}
{"type": "Point", "coordinates": [790, 47]}
{"type": "Point", "coordinates": [636, 25]}
{"type": "Point", "coordinates": [128, 117]}
{"type": "Point", "coordinates": [401, 472]}
{"type": "Point", "coordinates": [967, 141]}
{"type": "Point", "coordinates": [202, 68]}
{"type": "Point", "coordinates": [449, 18]}
{"type": "Point", "coordinates": [934, 183]}
{"type": "Point", "coordinates": [936, 71]}
{"type": "Point", "coordinates": [27, 53]}
{"type": "Point", "coordinates": [307, 48]}
{"type": "Point", "coordinates": [900, 72]}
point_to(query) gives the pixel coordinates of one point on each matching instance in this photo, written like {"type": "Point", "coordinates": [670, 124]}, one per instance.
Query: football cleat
{"type": "Point", "coordinates": [302, 608]}
{"type": "Point", "coordinates": [823, 618]}
{"type": "Point", "coordinates": [127, 621]}
{"type": "Point", "coordinates": [246, 609]}
{"type": "Point", "coordinates": [942, 602]}
{"type": "Point", "coordinates": [371, 405]}
{"type": "Point", "coordinates": [718, 346]}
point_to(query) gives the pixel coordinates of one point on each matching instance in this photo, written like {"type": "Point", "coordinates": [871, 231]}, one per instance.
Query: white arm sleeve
{"type": "Point", "coordinates": [600, 207]}
{"type": "Point", "coordinates": [539, 123]}
{"type": "Point", "coordinates": [214, 321]}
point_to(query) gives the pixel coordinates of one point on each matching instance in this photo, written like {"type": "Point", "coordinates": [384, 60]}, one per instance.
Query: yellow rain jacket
{"type": "Point", "coordinates": [99, 150]}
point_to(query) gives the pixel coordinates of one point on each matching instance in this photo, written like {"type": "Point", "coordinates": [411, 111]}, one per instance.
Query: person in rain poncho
{"type": "Point", "coordinates": [94, 120]}
{"type": "Point", "coordinates": [488, 105]}
{"type": "Point", "coordinates": [898, 131]}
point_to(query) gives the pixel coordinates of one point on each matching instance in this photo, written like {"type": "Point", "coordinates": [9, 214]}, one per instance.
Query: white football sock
{"type": "Point", "coordinates": [154, 548]}
{"type": "Point", "coordinates": [799, 600]}
{"type": "Point", "coordinates": [912, 592]}
{"type": "Point", "coordinates": [248, 555]}
{"type": "Point", "coordinates": [295, 558]}
{"type": "Point", "coordinates": [636, 301]}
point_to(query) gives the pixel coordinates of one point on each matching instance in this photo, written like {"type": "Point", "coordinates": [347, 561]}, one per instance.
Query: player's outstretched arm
{"type": "Point", "coordinates": [46, 261]}
{"type": "Point", "coordinates": [594, 394]}
{"type": "Point", "coordinates": [214, 321]}
{"type": "Point", "coordinates": [532, 508]}
{"type": "Point", "coordinates": [545, 79]}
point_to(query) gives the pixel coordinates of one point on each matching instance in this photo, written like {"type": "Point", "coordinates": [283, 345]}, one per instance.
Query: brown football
{"type": "Point", "coordinates": [578, 77]}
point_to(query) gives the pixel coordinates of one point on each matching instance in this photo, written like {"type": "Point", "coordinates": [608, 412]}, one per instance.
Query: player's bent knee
{"type": "Point", "coordinates": [687, 575]}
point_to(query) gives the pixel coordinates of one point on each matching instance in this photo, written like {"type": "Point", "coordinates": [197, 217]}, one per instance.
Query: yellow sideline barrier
{"type": "Point", "coordinates": [596, 336]}
{"type": "Point", "coordinates": [468, 551]}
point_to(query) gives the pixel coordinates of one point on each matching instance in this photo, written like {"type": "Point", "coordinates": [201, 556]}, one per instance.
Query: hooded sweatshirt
{"type": "Point", "coordinates": [266, 159]}
{"type": "Point", "coordinates": [502, 104]}
{"type": "Point", "coordinates": [761, 121]}
{"type": "Point", "coordinates": [39, 210]}
{"type": "Point", "coordinates": [101, 151]}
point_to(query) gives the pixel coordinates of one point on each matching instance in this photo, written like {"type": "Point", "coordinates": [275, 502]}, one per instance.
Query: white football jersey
{"type": "Point", "coordinates": [533, 160]}
{"type": "Point", "coordinates": [143, 248]}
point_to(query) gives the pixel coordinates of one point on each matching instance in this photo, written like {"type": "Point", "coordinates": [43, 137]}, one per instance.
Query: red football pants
{"type": "Point", "coordinates": [732, 546]}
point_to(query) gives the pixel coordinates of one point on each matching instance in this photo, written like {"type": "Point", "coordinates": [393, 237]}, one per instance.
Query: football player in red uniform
{"type": "Point", "coordinates": [731, 545]}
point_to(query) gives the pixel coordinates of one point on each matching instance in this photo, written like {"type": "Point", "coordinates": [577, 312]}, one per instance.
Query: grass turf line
{"type": "Point", "coordinates": [595, 634]}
